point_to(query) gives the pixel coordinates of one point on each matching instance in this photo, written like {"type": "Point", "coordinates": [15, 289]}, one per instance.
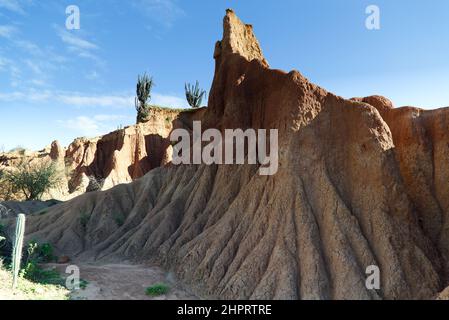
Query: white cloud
{"type": "Point", "coordinates": [7, 31]}
{"type": "Point", "coordinates": [33, 66]}
{"type": "Point", "coordinates": [38, 82]}
{"type": "Point", "coordinates": [9, 66]}
{"type": "Point", "coordinates": [4, 62]}
{"type": "Point", "coordinates": [11, 96]}
{"type": "Point", "coordinates": [168, 101]}
{"type": "Point", "coordinates": [29, 47]}
{"type": "Point", "coordinates": [93, 75]}
{"type": "Point", "coordinates": [93, 125]}
{"type": "Point", "coordinates": [76, 42]}
{"type": "Point", "coordinates": [85, 125]}
{"type": "Point", "coordinates": [100, 100]}
{"type": "Point", "coordinates": [12, 5]}
{"type": "Point", "coordinates": [109, 117]}
{"type": "Point", "coordinates": [163, 12]}
{"type": "Point", "coordinates": [79, 46]}
{"type": "Point", "coordinates": [87, 100]}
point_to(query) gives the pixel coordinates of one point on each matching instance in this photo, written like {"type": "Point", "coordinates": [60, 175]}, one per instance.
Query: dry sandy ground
{"type": "Point", "coordinates": [27, 290]}
{"type": "Point", "coordinates": [124, 282]}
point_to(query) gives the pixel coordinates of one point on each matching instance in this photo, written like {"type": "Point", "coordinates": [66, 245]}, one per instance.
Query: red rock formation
{"type": "Point", "coordinates": [356, 186]}
{"type": "Point", "coordinates": [118, 157]}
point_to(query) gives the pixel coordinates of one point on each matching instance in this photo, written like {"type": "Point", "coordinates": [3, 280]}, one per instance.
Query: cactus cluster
{"type": "Point", "coordinates": [194, 95]}
{"type": "Point", "coordinates": [17, 250]}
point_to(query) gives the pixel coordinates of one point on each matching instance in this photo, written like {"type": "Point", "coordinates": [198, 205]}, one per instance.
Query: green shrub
{"type": "Point", "coordinates": [33, 180]}
{"type": "Point", "coordinates": [84, 220]}
{"type": "Point", "coordinates": [37, 254]}
{"type": "Point", "coordinates": [119, 218]}
{"type": "Point", "coordinates": [83, 284]}
{"type": "Point", "coordinates": [40, 253]}
{"type": "Point", "coordinates": [158, 289]}
{"type": "Point", "coordinates": [7, 191]}
{"type": "Point", "coordinates": [41, 212]}
{"type": "Point", "coordinates": [33, 272]}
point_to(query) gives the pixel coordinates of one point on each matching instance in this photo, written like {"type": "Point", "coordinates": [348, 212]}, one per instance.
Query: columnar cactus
{"type": "Point", "coordinates": [143, 94]}
{"type": "Point", "coordinates": [17, 251]}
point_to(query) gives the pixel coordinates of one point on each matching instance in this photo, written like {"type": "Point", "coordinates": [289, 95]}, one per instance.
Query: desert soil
{"type": "Point", "coordinates": [124, 282]}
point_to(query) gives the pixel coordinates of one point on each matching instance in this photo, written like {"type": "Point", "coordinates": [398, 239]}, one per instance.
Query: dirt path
{"type": "Point", "coordinates": [124, 282]}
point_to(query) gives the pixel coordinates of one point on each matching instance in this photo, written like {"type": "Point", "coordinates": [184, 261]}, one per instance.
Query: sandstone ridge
{"type": "Point", "coordinates": [360, 183]}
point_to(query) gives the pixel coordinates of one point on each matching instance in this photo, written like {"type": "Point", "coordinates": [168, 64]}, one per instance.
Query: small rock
{"type": "Point", "coordinates": [63, 260]}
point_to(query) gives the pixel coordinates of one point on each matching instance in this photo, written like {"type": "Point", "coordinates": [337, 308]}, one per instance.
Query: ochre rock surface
{"type": "Point", "coordinates": [359, 183]}
{"type": "Point", "coordinates": [118, 157]}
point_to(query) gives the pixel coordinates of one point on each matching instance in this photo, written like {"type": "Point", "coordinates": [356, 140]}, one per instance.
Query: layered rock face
{"type": "Point", "coordinates": [359, 183]}
{"type": "Point", "coordinates": [118, 157]}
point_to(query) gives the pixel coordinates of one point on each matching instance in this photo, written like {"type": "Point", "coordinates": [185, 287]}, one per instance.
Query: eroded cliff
{"type": "Point", "coordinates": [359, 183]}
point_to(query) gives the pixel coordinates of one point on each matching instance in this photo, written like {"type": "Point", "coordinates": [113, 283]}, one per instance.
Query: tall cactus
{"type": "Point", "coordinates": [143, 94]}
{"type": "Point", "coordinates": [194, 94]}
{"type": "Point", "coordinates": [18, 245]}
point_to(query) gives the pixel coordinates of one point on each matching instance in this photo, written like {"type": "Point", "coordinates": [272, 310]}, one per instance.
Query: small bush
{"type": "Point", "coordinates": [36, 254]}
{"type": "Point", "coordinates": [84, 220]}
{"type": "Point", "coordinates": [119, 219]}
{"type": "Point", "coordinates": [33, 180]}
{"type": "Point", "coordinates": [19, 150]}
{"type": "Point", "coordinates": [158, 289]}
{"type": "Point", "coordinates": [95, 184]}
{"type": "Point", "coordinates": [33, 272]}
{"type": "Point", "coordinates": [83, 284]}
{"type": "Point", "coordinates": [4, 212]}
{"type": "Point", "coordinates": [7, 191]}
{"type": "Point", "coordinates": [40, 253]}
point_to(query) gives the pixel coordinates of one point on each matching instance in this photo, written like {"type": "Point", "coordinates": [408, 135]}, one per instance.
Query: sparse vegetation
{"type": "Point", "coordinates": [4, 212]}
{"type": "Point", "coordinates": [84, 220]}
{"type": "Point", "coordinates": [37, 254]}
{"type": "Point", "coordinates": [158, 289]}
{"type": "Point", "coordinates": [95, 184]}
{"type": "Point", "coordinates": [119, 219]}
{"type": "Point", "coordinates": [174, 110]}
{"type": "Point", "coordinates": [83, 284]}
{"type": "Point", "coordinates": [29, 290]}
{"type": "Point", "coordinates": [41, 253]}
{"type": "Point", "coordinates": [194, 94]}
{"type": "Point", "coordinates": [29, 267]}
{"type": "Point", "coordinates": [41, 212]}
{"type": "Point", "coordinates": [7, 191]}
{"type": "Point", "coordinates": [32, 180]}
{"type": "Point", "coordinates": [143, 95]}
{"type": "Point", "coordinates": [19, 150]}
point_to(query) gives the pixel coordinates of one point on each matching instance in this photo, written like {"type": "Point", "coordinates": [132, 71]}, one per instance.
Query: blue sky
{"type": "Point", "coordinates": [61, 84]}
